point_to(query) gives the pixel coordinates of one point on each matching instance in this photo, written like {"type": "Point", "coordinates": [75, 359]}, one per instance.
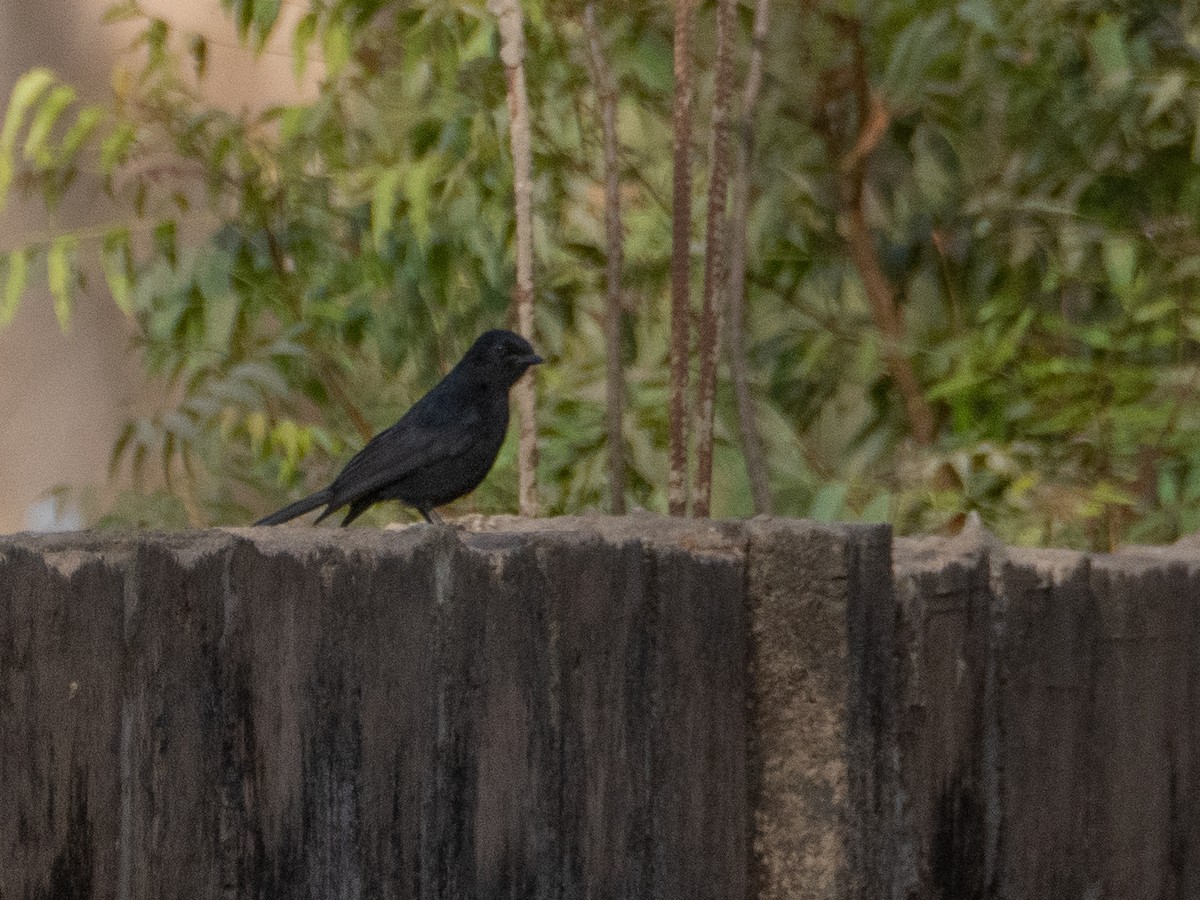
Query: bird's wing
{"type": "Point", "coordinates": [427, 433]}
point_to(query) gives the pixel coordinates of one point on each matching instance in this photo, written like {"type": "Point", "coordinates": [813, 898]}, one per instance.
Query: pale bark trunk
{"type": "Point", "coordinates": [512, 53]}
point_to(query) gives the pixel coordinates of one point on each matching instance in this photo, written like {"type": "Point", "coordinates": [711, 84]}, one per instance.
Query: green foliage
{"type": "Point", "coordinates": [298, 274]}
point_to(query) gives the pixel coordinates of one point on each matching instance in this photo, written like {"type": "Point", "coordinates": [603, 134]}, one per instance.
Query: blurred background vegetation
{"type": "Point", "coordinates": [1017, 181]}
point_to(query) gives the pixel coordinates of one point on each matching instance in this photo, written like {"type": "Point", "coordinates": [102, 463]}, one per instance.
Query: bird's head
{"type": "Point", "coordinates": [499, 357]}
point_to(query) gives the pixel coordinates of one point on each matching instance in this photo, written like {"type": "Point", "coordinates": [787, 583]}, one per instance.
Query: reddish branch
{"type": "Point", "coordinates": [715, 261]}
{"type": "Point", "coordinates": [677, 491]}
{"type": "Point", "coordinates": [882, 297]}
{"type": "Point", "coordinates": [606, 93]}
{"type": "Point", "coordinates": [739, 367]}
{"type": "Point", "coordinates": [512, 54]}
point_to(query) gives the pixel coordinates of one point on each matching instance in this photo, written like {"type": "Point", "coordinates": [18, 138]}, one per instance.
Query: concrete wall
{"type": "Point", "coordinates": [559, 710]}
{"type": "Point", "coordinates": [1048, 721]}
{"type": "Point", "coordinates": [602, 708]}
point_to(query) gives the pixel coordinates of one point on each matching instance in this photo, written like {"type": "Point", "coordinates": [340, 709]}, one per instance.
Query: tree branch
{"type": "Point", "coordinates": [715, 261]}
{"type": "Point", "coordinates": [512, 53]}
{"type": "Point", "coordinates": [677, 490]}
{"type": "Point", "coordinates": [850, 171]}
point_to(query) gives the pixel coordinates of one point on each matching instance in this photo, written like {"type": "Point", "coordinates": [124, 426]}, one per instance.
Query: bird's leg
{"type": "Point", "coordinates": [431, 515]}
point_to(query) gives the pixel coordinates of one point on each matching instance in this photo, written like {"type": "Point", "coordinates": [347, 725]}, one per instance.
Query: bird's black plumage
{"type": "Point", "coordinates": [440, 449]}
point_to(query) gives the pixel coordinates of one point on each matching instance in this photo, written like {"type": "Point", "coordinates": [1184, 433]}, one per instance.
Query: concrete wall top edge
{"type": "Point", "coordinates": [915, 556]}
{"type": "Point", "coordinates": [495, 534]}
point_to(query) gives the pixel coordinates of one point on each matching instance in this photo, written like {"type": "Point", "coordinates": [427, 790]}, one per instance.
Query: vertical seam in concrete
{"type": "Point", "coordinates": [995, 721]}
{"type": "Point", "coordinates": [550, 611]}
{"type": "Point", "coordinates": [230, 602]}
{"type": "Point", "coordinates": [755, 872]}
{"type": "Point", "coordinates": [441, 575]}
{"type": "Point", "coordinates": [654, 711]}
{"type": "Point", "coordinates": [132, 603]}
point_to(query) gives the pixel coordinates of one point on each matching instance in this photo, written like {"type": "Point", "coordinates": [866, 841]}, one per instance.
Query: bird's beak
{"type": "Point", "coordinates": [533, 360]}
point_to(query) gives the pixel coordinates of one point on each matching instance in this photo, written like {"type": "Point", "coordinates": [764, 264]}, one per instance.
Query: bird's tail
{"type": "Point", "coordinates": [299, 508]}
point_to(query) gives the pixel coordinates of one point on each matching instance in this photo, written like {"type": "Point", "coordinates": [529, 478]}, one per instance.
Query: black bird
{"type": "Point", "coordinates": [440, 449]}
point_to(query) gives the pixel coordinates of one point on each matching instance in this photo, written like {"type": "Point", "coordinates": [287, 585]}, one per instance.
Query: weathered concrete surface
{"type": "Point", "coordinates": [1049, 723]}
{"type": "Point", "coordinates": [630, 708]}
{"type": "Point", "coordinates": [314, 713]}
{"type": "Point", "coordinates": [822, 680]}
{"type": "Point", "coordinates": [821, 691]}
{"type": "Point", "coordinates": [310, 713]}
{"type": "Point", "coordinates": [544, 710]}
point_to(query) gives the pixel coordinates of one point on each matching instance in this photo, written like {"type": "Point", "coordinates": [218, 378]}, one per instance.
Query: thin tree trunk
{"type": "Point", "coordinates": [677, 491]}
{"type": "Point", "coordinates": [606, 95]}
{"type": "Point", "coordinates": [715, 262]}
{"type": "Point", "coordinates": [739, 367]}
{"type": "Point", "coordinates": [512, 53]}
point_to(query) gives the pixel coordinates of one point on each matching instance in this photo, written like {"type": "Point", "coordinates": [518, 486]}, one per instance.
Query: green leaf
{"type": "Point", "coordinates": [85, 123]}
{"type": "Point", "coordinates": [164, 240]}
{"type": "Point", "coordinates": [43, 122]}
{"type": "Point", "coordinates": [243, 14]}
{"type": "Point", "coordinates": [213, 273]}
{"type": "Point", "coordinates": [155, 37]}
{"type": "Point", "coordinates": [15, 279]}
{"type": "Point", "coordinates": [220, 319]}
{"type": "Point", "coordinates": [119, 448]}
{"type": "Point", "coordinates": [1120, 262]}
{"type": "Point", "coordinates": [417, 190]}
{"type": "Point", "coordinates": [116, 260]}
{"type": "Point", "coordinates": [879, 509]}
{"type": "Point", "coordinates": [198, 47]}
{"type": "Point", "coordinates": [916, 49]}
{"type": "Point", "coordinates": [293, 123]}
{"type": "Point", "coordinates": [1170, 89]}
{"type": "Point", "coordinates": [60, 267]}
{"type": "Point", "coordinates": [481, 44]}
{"type": "Point", "coordinates": [115, 148]}
{"type": "Point", "coordinates": [24, 94]}
{"type": "Point", "coordinates": [980, 13]}
{"type": "Point", "coordinates": [829, 502]}
{"type": "Point", "coordinates": [650, 62]}
{"type": "Point", "coordinates": [383, 205]}
{"type": "Point", "coordinates": [121, 12]}
{"type": "Point", "coordinates": [1168, 488]}
{"type": "Point", "coordinates": [1110, 54]}
{"type": "Point", "coordinates": [336, 46]}
{"type": "Point", "coordinates": [306, 30]}
{"type": "Point", "coordinates": [266, 13]}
